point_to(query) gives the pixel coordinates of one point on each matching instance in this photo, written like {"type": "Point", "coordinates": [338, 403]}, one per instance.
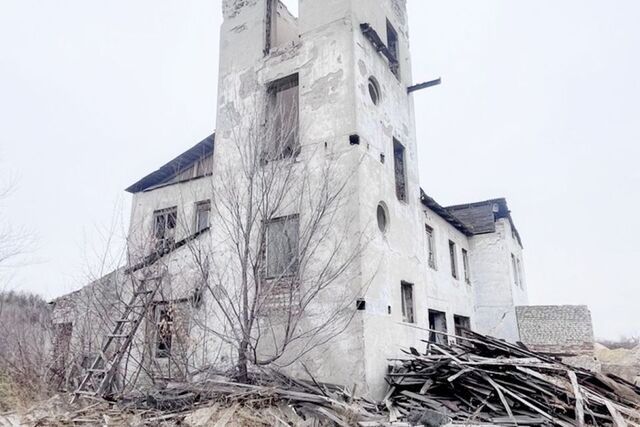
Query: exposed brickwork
{"type": "Point", "coordinates": [563, 329]}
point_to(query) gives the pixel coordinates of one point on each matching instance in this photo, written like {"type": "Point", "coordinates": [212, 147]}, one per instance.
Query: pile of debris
{"type": "Point", "coordinates": [485, 380]}
{"type": "Point", "coordinates": [272, 399]}
{"type": "Point", "coordinates": [478, 380]}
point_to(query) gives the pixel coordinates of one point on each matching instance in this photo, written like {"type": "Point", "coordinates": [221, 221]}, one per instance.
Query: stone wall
{"type": "Point", "coordinates": [564, 330]}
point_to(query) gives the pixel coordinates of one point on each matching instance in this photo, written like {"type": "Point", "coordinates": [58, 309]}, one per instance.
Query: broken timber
{"type": "Point", "coordinates": [424, 85]}
{"type": "Point", "coordinates": [485, 380]}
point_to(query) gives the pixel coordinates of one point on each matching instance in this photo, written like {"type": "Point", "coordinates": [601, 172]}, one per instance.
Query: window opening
{"type": "Point", "coordinates": [282, 247]}
{"type": "Point", "coordinates": [461, 323]}
{"type": "Point", "coordinates": [520, 275]}
{"type": "Point", "coordinates": [514, 267]}
{"type": "Point", "coordinates": [203, 214]}
{"type": "Point", "coordinates": [284, 117]}
{"type": "Point", "coordinates": [374, 90]}
{"type": "Point", "coordinates": [407, 302]}
{"type": "Point", "coordinates": [465, 265]}
{"type": "Point", "coordinates": [381, 215]}
{"type": "Point", "coordinates": [400, 170]}
{"type": "Point", "coordinates": [438, 326]}
{"type": "Point", "coordinates": [164, 330]}
{"type": "Point", "coordinates": [394, 48]}
{"type": "Point", "coordinates": [431, 247]}
{"type": "Point", "coordinates": [164, 223]}
{"type": "Point", "coordinates": [453, 256]}
{"type": "Point", "coordinates": [281, 23]}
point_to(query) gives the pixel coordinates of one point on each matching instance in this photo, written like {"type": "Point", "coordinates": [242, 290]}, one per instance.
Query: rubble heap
{"type": "Point", "coordinates": [482, 379]}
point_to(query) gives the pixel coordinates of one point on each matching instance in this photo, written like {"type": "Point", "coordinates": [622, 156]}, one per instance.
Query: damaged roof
{"type": "Point", "coordinates": [167, 172]}
{"type": "Point", "coordinates": [473, 218]}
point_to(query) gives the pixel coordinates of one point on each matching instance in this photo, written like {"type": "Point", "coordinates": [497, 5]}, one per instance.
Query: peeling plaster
{"type": "Point", "coordinates": [323, 90]}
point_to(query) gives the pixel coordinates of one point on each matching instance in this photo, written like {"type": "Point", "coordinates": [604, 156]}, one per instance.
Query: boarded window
{"type": "Point", "coordinates": [164, 227]}
{"type": "Point", "coordinates": [461, 323]}
{"type": "Point", "coordinates": [407, 302]}
{"type": "Point", "coordinates": [282, 247]}
{"type": "Point", "coordinates": [203, 214]}
{"type": "Point", "coordinates": [394, 49]}
{"type": "Point", "coordinates": [465, 265]}
{"type": "Point", "coordinates": [438, 327]}
{"type": "Point", "coordinates": [431, 247]}
{"type": "Point", "coordinates": [283, 117]}
{"type": "Point", "coordinates": [453, 257]}
{"type": "Point", "coordinates": [399, 162]}
{"type": "Point", "coordinates": [164, 331]}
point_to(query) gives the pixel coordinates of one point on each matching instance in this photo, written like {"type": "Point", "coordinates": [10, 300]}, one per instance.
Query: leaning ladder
{"type": "Point", "coordinates": [100, 373]}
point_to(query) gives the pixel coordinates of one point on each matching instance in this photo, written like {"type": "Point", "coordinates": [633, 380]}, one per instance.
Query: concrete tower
{"type": "Point", "coordinates": [349, 63]}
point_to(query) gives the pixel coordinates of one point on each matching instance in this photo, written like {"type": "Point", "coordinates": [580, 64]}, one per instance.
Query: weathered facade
{"type": "Point", "coordinates": [343, 68]}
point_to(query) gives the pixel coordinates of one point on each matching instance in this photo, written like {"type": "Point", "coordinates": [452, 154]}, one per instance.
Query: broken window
{"type": "Point", "coordinates": [394, 49]}
{"type": "Point", "coordinates": [465, 265]}
{"type": "Point", "coordinates": [203, 213]}
{"type": "Point", "coordinates": [431, 247]}
{"type": "Point", "coordinates": [400, 170]}
{"type": "Point", "coordinates": [438, 327]}
{"type": "Point", "coordinates": [453, 256]}
{"type": "Point", "coordinates": [164, 227]}
{"type": "Point", "coordinates": [514, 267]}
{"type": "Point", "coordinates": [407, 302]}
{"type": "Point", "coordinates": [282, 247]}
{"type": "Point", "coordinates": [461, 323]}
{"type": "Point", "coordinates": [281, 23]}
{"type": "Point", "coordinates": [283, 118]}
{"type": "Point", "coordinates": [164, 331]}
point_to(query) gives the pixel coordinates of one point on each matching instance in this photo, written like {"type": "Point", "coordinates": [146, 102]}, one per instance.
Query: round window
{"type": "Point", "coordinates": [383, 221]}
{"type": "Point", "coordinates": [374, 90]}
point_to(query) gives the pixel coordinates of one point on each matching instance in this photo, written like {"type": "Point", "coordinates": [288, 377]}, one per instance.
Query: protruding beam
{"type": "Point", "coordinates": [424, 85]}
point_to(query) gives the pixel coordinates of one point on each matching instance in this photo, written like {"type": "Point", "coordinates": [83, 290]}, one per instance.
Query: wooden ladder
{"type": "Point", "coordinates": [99, 375]}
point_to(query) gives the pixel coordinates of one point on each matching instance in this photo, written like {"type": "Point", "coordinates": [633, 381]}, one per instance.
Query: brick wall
{"type": "Point", "coordinates": [565, 329]}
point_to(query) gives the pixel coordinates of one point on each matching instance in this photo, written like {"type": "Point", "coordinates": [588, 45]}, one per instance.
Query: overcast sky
{"type": "Point", "coordinates": [539, 104]}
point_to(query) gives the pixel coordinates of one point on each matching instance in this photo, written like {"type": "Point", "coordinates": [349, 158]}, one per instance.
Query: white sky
{"type": "Point", "coordinates": [540, 104]}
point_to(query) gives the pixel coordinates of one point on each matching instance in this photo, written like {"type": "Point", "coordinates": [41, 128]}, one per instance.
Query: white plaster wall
{"type": "Point", "coordinates": [496, 291]}
{"type": "Point", "coordinates": [446, 293]}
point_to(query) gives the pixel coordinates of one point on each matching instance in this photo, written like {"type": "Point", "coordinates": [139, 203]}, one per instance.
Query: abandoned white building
{"type": "Point", "coordinates": [333, 88]}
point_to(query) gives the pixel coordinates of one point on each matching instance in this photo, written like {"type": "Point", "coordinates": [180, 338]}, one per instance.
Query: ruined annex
{"type": "Point", "coordinates": [298, 235]}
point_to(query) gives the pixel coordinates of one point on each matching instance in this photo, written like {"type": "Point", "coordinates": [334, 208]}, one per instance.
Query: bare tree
{"type": "Point", "coordinates": [279, 270]}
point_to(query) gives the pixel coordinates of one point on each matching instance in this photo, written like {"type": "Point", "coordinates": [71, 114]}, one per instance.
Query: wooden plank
{"type": "Point", "coordinates": [579, 399]}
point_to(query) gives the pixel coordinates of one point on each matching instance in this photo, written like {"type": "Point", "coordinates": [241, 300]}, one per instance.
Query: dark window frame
{"type": "Point", "coordinates": [400, 170]}
{"type": "Point", "coordinates": [165, 223]}
{"type": "Point", "coordinates": [439, 337]}
{"type": "Point", "coordinates": [460, 322]}
{"type": "Point", "coordinates": [393, 46]}
{"type": "Point", "coordinates": [163, 338]}
{"type": "Point", "coordinates": [407, 302]}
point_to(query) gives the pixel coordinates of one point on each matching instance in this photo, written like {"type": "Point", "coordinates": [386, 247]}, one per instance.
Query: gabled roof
{"type": "Point", "coordinates": [185, 160]}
